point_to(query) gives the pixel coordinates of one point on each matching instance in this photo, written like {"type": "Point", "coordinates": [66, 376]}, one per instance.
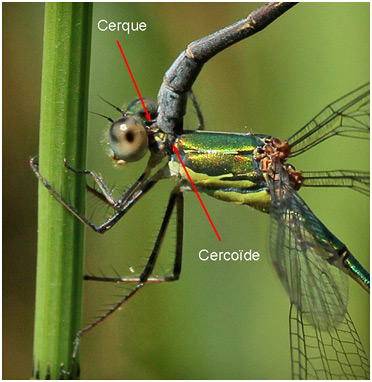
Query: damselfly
{"type": "Point", "coordinates": [252, 169]}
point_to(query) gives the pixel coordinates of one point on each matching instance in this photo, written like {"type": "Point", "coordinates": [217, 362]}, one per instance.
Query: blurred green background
{"type": "Point", "coordinates": [220, 321]}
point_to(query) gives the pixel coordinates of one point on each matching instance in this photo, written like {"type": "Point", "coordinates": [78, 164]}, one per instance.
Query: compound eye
{"type": "Point", "coordinates": [128, 139]}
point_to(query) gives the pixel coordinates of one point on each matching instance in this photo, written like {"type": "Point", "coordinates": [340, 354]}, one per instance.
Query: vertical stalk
{"type": "Point", "coordinates": [64, 100]}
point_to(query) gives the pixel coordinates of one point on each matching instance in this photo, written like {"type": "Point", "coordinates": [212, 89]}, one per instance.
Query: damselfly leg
{"type": "Point", "coordinates": [122, 205]}
{"type": "Point", "coordinates": [176, 199]}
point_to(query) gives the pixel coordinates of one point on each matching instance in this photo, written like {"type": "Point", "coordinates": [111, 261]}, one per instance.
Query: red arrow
{"type": "Point", "coordinates": [197, 194]}
{"type": "Point", "coordinates": [130, 72]}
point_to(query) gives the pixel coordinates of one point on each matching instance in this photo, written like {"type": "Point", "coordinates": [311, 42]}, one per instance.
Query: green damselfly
{"type": "Point", "coordinates": [251, 169]}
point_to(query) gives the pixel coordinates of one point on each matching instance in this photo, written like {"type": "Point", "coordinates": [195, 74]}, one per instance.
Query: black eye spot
{"type": "Point", "coordinates": [129, 136]}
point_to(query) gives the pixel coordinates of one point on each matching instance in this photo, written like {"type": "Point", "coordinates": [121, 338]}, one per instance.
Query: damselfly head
{"type": "Point", "coordinates": [128, 136]}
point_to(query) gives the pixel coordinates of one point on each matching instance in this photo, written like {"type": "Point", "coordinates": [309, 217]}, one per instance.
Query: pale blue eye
{"type": "Point", "coordinates": [128, 139]}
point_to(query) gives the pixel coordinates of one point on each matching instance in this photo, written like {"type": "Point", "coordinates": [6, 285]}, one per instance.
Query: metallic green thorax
{"type": "Point", "coordinates": [223, 165]}
{"type": "Point", "coordinates": [228, 167]}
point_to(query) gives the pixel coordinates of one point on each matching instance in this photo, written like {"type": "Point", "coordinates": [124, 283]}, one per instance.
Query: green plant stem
{"type": "Point", "coordinates": [64, 100]}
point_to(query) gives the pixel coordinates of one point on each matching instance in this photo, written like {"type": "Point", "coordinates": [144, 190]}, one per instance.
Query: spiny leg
{"type": "Point", "coordinates": [122, 205]}
{"type": "Point", "coordinates": [106, 195]}
{"type": "Point", "coordinates": [176, 198]}
{"type": "Point", "coordinates": [177, 259]}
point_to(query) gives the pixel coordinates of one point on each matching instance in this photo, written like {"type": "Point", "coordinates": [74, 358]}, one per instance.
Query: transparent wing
{"type": "Point", "coordinates": [324, 342]}
{"type": "Point", "coordinates": [302, 249]}
{"type": "Point", "coordinates": [356, 180]}
{"type": "Point", "coordinates": [332, 354]}
{"type": "Point", "coordinates": [347, 117]}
